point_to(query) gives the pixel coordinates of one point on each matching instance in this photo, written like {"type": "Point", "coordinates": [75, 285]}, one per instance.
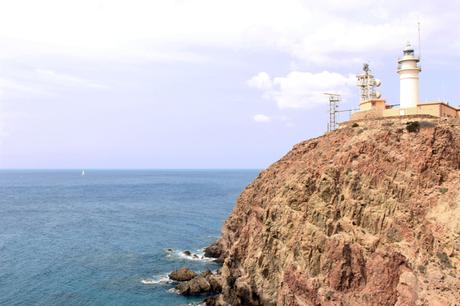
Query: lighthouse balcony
{"type": "Point", "coordinates": [405, 66]}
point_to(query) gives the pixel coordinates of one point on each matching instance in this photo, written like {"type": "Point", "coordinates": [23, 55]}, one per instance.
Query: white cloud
{"type": "Point", "coordinates": [305, 89]}
{"type": "Point", "coordinates": [42, 82]}
{"type": "Point", "coordinates": [10, 87]}
{"type": "Point", "coordinates": [261, 118]}
{"type": "Point", "coordinates": [312, 31]}
{"type": "Point", "coordinates": [260, 81]}
{"type": "Point", "coordinates": [62, 79]}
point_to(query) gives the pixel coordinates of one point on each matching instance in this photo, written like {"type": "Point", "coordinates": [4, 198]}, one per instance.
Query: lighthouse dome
{"type": "Point", "coordinates": [408, 50]}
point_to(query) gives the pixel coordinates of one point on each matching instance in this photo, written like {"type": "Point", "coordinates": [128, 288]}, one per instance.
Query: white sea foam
{"type": "Point", "coordinates": [162, 279]}
{"type": "Point", "coordinates": [198, 255]}
{"type": "Point", "coordinates": [173, 290]}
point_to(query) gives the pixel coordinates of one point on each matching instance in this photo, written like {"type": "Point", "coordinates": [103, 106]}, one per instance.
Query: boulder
{"type": "Point", "coordinates": [205, 283]}
{"type": "Point", "coordinates": [206, 273]}
{"type": "Point", "coordinates": [215, 282]}
{"type": "Point", "coordinates": [197, 285]}
{"type": "Point", "coordinates": [214, 250]}
{"type": "Point", "coordinates": [182, 275]}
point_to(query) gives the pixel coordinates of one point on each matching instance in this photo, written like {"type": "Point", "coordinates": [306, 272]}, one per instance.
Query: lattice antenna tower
{"type": "Point", "coordinates": [367, 83]}
{"type": "Point", "coordinates": [334, 100]}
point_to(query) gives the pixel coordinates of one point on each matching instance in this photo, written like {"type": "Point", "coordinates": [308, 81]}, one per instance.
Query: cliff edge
{"type": "Point", "coordinates": [366, 215]}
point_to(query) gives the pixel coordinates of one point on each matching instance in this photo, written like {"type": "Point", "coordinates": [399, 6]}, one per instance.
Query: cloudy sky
{"type": "Point", "coordinates": [199, 83]}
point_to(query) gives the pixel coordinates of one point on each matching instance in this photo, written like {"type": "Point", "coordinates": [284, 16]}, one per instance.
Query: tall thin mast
{"type": "Point", "coordinates": [419, 42]}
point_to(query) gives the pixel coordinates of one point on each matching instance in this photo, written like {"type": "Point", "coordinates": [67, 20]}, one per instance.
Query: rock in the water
{"type": "Point", "coordinates": [188, 253]}
{"type": "Point", "coordinates": [205, 283]}
{"type": "Point", "coordinates": [213, 251]}
{"type": "Point", "coordinates": [206, 273]}
{"type": "Point", "coordinates": [197, 285]}
{"type": "Point", "coordinates": [215, 282]}
{"type": "Point", "coordinates": [182, 275]}
{"type": "Point", "coordinates": [214, 300]}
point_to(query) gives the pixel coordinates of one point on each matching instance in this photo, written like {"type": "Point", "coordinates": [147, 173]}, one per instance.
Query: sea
{"type": "Point", "coordinates": [108, 237]}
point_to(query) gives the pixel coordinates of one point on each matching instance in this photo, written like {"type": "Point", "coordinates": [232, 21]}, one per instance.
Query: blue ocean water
{"type": "Point", "coordinates": [102, 238]}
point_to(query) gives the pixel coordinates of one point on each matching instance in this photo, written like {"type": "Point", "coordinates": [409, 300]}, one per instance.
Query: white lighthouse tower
{"type": "Point", "coordinates": [408, 71]}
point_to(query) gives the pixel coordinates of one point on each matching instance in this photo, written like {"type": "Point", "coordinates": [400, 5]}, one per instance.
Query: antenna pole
{"type": "Point", "coordinates": [334, 100]}
{"type": "Point", "coordinates": [419, 44]}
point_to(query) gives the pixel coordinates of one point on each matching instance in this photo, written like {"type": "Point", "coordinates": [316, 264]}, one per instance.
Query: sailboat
{"type": "Point", "coordinates": [82, 172]}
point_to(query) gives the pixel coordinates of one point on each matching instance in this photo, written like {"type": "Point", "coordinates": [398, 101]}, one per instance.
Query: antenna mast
{"type": "Point", "coordinates": [334, 100]}
{"type": "Point", "coordinates": [367, 83]}
{"type": "Point", "coordinates": [419, 42]}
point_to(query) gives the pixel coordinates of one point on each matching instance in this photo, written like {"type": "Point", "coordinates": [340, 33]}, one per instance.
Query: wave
{"type": "Point", "coordinates": [173, 290]}
{"type": "Point", "coordinates": [162, 279]}
{"type": "Point", "coordinates": [197, 255]}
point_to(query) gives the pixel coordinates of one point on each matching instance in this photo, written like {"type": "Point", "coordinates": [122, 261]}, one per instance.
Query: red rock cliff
{"type": "Point", "coordinates": [365, 215]}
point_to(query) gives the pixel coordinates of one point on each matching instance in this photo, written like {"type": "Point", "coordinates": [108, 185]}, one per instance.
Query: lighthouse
{"type": "Point", "coordinates": [372, 106]}
{"type": "Point", "coordinates": [408, 71]}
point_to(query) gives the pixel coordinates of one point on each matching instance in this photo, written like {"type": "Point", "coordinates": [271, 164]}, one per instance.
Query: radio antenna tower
{"type": "Point", "coordinates": [334, 100]}
{"type": "Point", "coordinates": [367, 83]}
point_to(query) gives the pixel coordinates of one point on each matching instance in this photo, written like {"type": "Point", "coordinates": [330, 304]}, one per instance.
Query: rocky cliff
{"type": "Point", "coordinates": [366, 215]}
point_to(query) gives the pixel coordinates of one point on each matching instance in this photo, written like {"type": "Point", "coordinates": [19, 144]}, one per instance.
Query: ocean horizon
{"type": "Point", "coordinates": [110, 236]}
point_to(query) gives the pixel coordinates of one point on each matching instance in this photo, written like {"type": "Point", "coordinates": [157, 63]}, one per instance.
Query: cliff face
{"type": "Point", "coordinates": [365, 215]}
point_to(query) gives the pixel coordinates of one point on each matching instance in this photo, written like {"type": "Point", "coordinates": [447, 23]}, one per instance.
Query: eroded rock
{"type": "Point", "coordinates": [205, 283]}
{"type": "Point", "coordinates": [181, 275]}
{"type": "Point", "coordinates": [359, 216]}
{"type": "Point", "coordinates": [215, 250]}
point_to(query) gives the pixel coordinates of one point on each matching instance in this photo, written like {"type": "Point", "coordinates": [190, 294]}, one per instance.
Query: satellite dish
{"type": "Point", "coordinates": [377, 82]}
{"type": "Point", "coordinates": [378, 95]}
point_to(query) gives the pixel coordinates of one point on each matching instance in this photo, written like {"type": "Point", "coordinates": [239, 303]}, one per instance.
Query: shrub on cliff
{"type": "Point", "coordinates": [413, 126]}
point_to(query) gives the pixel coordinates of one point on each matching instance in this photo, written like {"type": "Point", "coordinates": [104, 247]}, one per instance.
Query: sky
{"type": "Point", "coordinates": [200, 83]}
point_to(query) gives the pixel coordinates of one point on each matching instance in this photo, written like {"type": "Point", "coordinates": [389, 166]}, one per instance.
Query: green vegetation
{"type": "Point", "coordinates": [444, 259]}
{"type": "Point", "coordinates": [413, 126]}
{"type": "Point", "coordinates": [394, 235]}
{"type": "Point", "coordinates": [443, 190]}
{"type": "Point", "coordinates": [421, 269]}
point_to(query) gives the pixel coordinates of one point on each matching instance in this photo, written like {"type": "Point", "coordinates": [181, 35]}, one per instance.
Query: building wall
{"type": "Point", "coordinates": [394, 112]}
{"type": "Point", "coordinates": [447, 111]}
{"type": "Point", "coordinates": [365, 106]}
{"type": "Point", "coordinates": [436, 109]}
{"type": "Point", "coordinates": [428, 109]}
{"type": "Point", "coordinates": [371, 104]}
